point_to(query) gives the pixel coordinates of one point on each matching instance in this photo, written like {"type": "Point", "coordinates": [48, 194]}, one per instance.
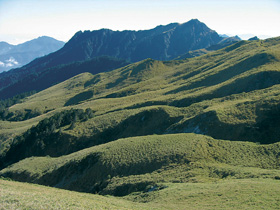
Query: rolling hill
{"type": "Point", "coordinates": [152, 130]}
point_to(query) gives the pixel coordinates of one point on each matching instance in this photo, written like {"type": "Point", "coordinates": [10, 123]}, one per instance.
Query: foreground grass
{"type": "Point", "coordinates": [227, 194]}
{"type": "Point", "coordinates": [16, 195]}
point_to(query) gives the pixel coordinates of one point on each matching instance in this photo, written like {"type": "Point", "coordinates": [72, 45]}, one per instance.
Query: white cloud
{"type": "Point", "coordinates": [11, 61]}
{"type": "Point", "coordinates": [9, 65]}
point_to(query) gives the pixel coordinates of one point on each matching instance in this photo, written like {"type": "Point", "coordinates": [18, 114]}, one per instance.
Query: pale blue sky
{"type": "Point", "coordinates": [22, 20]}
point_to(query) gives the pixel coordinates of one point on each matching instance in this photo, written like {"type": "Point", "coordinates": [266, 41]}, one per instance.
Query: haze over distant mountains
{"type": "Point", "coordinates": [14, 56]}
{"type": "Point", "coordinates": [162, 43]}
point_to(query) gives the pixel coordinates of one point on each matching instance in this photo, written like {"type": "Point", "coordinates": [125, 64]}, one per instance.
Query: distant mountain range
{"type": "Point", "coordinates": [14, 56]}
{"type": "Point", "coordinates": [162, 43]}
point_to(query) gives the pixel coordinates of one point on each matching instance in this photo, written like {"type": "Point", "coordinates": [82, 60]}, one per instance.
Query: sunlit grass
{"type": "Point", "coordinates": [150, 159]}
{"type": "Point", "coordinates": [227, 194]}
{"type": "Point", "coordinates": [231, 94]}
{"type": "Point", "coordinates": [15, 195]}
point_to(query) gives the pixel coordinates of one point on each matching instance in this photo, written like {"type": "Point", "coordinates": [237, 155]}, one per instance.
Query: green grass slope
{"type": "Point", "coordinates": [229, 194]}
{"type": "Point", "coordinates": [232, 93]}
{"type": "Point", "coordinates": [133, 164]}
{"type": "Point", "coordinates": [15, 195]}
{"type": "Point", "coordinates": [152, 132]}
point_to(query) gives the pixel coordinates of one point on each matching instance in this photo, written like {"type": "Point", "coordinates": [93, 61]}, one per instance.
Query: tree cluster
{"type": "Point", "coordinates": [14, 100]}
{"type": "Point", "coordinates": [36, 140]}
{"type": "Point", "coordinates": [18, 115]}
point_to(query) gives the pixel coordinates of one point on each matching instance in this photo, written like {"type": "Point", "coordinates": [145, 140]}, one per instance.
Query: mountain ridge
{"type": "Point", "coordinates": [15, 56]}
{"type": "Point", "coordinates": [165, 36]}
{"type": "Point", "coordinates": [162, 43]}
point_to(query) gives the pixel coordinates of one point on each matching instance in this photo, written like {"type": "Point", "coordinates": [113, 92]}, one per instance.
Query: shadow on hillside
{"type": "Point", "coordinates": [266, 130]}
{"type": "Point", "coordinates": [223, 75]}
{"type": "Point", "coordinates": [258, 81]}
{"type": "Point", "coordinates": [235, 46]}
{"type": "Point", "coordinates": [54, 144]}
{"type": "Point", "coordinates": [93, 81]}
{"type": "Point", "coordinates": [81, 97]}
{"type": "Point", "coordinates": [148, 122]}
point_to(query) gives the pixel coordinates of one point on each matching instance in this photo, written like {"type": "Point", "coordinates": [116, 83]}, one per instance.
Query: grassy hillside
{"type": "Point", "coordinates": [15, 195]}
{"type": "Point", "coordinates": [126, 165]}
{"type": "Point", "coordinates": [232, 94]}
{"type": "Point", "coordinates": [228, 194]}
{"type": "Point", "coordinates": [154, 172]}
{"type": "Point", "coordinates": [157, 126]}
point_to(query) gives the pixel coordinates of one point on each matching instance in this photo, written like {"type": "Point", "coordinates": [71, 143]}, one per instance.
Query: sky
{"type": "Point", "coordinates": [23, 20]}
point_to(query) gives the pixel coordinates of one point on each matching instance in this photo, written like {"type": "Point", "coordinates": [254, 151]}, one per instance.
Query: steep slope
{"type": "Point", "coordinates": [15, 56]}
{"type": "Point", "coordinates": [232, 94]}
{"type": "Point", "coordinates": [163, 43]}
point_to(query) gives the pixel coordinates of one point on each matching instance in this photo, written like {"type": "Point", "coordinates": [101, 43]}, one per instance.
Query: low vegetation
{"type": "Point", "coordinates": [232, 93]}
{"type": "Point", "coordinates": [226, 194]}
{"type": "Point", "coordinates": [41, 138]}
{"type": "Point", "coordinates": [15, 195]}
{"type": "Point", "coordinates": [132, 164]}
{"type": "Point", "coordinates": [156, 128]}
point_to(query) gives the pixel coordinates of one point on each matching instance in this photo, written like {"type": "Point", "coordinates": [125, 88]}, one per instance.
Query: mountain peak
{"type": "Point", "coordinates": [254, 38]}
{"type": "Point", "coordinates": [195, 20]}
{"type": "Point", "coordinates": [15, 56]}
{"type": "Point", "coordinates": [45, 38]}
{"type": "Point", "coordinates": [163, 42]}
